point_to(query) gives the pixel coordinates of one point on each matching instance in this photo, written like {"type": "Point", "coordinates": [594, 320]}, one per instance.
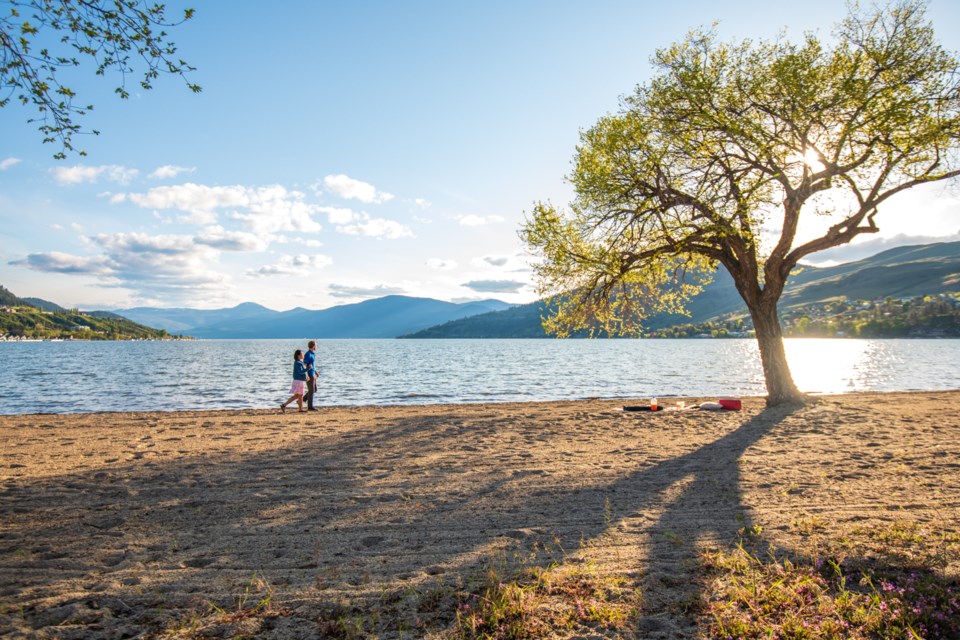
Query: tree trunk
{"type": "Point", "coordinates": [776, 371]}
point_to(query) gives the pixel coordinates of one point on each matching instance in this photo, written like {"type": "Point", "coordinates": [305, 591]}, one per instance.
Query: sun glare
{"type": "Point", "coordinates": [810, 157]}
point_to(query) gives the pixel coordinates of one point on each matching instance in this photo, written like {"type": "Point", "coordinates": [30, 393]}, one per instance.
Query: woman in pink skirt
{"type": "Point", "coordinates": [299, 385]}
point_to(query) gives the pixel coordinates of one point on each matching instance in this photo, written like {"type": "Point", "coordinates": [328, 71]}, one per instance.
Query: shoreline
{"type": "Point", "coordinates": [672, 400]}
{"type": "Point", "coordinates": [149, 522]}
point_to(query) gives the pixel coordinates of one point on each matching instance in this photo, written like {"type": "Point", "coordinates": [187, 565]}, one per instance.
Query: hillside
{"type": "Point", "coordinates": [899, 273]}
{"type": "Point", "coordinates": [902, 272]}
{"type": "Point", "coordinates": [7, 299]}
{"type": "Point", "coordinates": [44, 305]}
{"type": "Point", "coordinates": [386, 317]}
{"type": "Point", "coordinates": [18, 319]}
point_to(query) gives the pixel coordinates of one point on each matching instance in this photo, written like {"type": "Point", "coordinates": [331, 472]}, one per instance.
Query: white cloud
{"type": "Point", "coordinates": [516, 262]}
{"type": "Point", "coordinates": [78, 174]}
{"type": "Point", "coordinates": [422, 203]}
{"type": "Point", "coordinates": [927, 213]}
{"type": "Point", "coordinates": [441, 264]}
{"type": "Point", "coordinates": [377, 291]}
{"type": "Point", "coordinates": [200, 201]}
{"type": "Point", "coordinates": [170, 171]}
{"type": "Point", "coordinates": [307, 242]}
{"type": "Point", "coordinates": [350, 189]}
{"type": "Point", "coordinates": [495, 286]}
{"type": "Point", "coordinates": [143, 243]}
{"type": "Point", "coordinates": [56, 226]}
{"type": "Point", "coordinates": [77, 227]}
{"type": "Point", "coordinates": [471, 220]}
{"type": "Point", "coordinates": [161, 263]}
{"type": "Point", "coordinates": [492, 261]}
{"type": "Point", "coordinates": [378, 228]}
{"type": "Point", "coordinates": [166, 267]}
{"type": "Point", "coordinates": [57, 262]}
{"type": "Point", "coordinates": [263, 210]}
{"type": "Point", "coordinates": [338, 215]}
{"type": "Point", "coordinates": [219, 238]}
{"type": "Point", "coordinates": [292, 266]}
{"type": "Point", "coordinates": [274, 209]}
{"type": "Point", "coordinates": [8, 162]}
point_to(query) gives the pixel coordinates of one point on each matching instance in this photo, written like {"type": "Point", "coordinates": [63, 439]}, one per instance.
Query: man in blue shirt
{"type": "Point", "coordinates": [309, 361]}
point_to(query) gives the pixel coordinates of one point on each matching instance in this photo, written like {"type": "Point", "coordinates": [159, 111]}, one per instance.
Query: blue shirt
{"type": "Point", "coordinates": [308, 359]}
{"type": "Point", "coordinates": [299, 371]}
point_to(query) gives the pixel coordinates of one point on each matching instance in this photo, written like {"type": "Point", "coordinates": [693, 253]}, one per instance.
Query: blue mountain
{"type": "Point", "coordinates": [386, 317]}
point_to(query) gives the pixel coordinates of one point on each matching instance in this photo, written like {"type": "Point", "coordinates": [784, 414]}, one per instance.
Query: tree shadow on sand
{"type": "Point", "coordinates": [359, 528]}
{"type": "Point", "coordinates": [698, 500]}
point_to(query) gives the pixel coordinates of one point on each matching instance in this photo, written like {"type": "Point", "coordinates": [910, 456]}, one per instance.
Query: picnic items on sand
{"type": "Point", "coordinates": [723, 404]}
{"type": "Point", "coordinates": [731, 404]}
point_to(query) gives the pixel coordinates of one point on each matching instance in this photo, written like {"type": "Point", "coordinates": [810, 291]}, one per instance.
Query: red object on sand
{"type": "Point", "coordinates": [732, 404]}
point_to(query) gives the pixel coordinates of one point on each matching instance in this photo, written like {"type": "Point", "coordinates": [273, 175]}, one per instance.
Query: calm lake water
{"type": "Point", "coordinates": [73, 377]}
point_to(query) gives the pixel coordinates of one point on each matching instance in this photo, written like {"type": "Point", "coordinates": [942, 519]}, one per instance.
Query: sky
{"type": "Point", "coordinates": [342, 151]}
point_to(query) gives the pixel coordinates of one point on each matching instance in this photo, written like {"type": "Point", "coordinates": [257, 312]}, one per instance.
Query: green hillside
{"type": "Point", "coordinates": [18, 319]}
{"type": "Point", "coordinates": [45, 305]}
{"type": "Point", "coordinates": [902, 272]}
{"type": "Point", "coordinates": [7, 299]}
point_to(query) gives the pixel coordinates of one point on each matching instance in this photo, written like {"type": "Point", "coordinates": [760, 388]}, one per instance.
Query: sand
{"type": "Point", "coordinates": [361, 521]}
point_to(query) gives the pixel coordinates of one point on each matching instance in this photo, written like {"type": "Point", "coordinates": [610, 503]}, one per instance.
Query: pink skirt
{"type": "Point", "coordinates": [298, 388]}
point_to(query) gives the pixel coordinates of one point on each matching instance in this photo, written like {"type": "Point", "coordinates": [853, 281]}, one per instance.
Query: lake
{"type": "Point", "coordinates": [76, 377]}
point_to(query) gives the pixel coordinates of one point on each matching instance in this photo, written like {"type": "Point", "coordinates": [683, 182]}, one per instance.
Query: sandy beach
{"type": "Point", "coordinates": [365, 521]}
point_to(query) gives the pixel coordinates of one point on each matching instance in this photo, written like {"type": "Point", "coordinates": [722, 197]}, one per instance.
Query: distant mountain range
{"type": "Point", "coordinates": [386, 317]}
{"type": "Point", "coordinates": [901, 272]}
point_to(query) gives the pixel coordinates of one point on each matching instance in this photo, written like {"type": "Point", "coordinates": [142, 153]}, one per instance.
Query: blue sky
{"type": "Point", "coordinates": [347, 150]}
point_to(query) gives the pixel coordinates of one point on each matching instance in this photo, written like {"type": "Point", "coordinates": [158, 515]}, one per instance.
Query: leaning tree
{"type": "Point", "coordinates": [718, 159]}
{"type": "Point", "coordinates": [41, 40]}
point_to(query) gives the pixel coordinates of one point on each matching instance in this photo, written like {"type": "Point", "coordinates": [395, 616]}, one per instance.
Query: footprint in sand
{"type": "Point", "coordinates": [198, 562]}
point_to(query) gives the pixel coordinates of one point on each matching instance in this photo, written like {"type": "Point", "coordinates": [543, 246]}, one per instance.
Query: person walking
{"type": "Point", "coordinates": [310, 362]}
{"type": "Point", "coordinates": [299, 382]}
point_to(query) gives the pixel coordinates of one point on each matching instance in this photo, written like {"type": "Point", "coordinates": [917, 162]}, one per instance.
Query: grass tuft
{"type": "Point", "coordinates": [533, 602]}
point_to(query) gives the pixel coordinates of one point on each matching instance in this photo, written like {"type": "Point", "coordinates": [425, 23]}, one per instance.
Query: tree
{"type": "Point", "coordinates": [729, 140]}
{"type": "Point", "coordinates": [41, 39]}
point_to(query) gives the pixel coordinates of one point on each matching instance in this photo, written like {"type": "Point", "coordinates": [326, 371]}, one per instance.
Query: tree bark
{"type": "Point", "coordinates": [776, 372]}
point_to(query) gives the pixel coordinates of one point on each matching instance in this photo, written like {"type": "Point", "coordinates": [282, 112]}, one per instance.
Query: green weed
{"type": "Point", "coordinates": [533, 602]}
{"type": "Point", "coordinates": [831, 597]}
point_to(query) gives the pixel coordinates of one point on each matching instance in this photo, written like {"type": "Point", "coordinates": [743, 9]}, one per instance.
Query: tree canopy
{"type": "Point", "coordinates": [41, 39]}
{"type": "Point", "coordinates": [717, 159]}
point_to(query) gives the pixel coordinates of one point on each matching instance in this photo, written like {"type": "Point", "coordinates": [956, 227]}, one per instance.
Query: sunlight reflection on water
{"type": "Point", "coordinates": [842, 366]}
{"type": "Point", "coordinates": [830, 366]}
